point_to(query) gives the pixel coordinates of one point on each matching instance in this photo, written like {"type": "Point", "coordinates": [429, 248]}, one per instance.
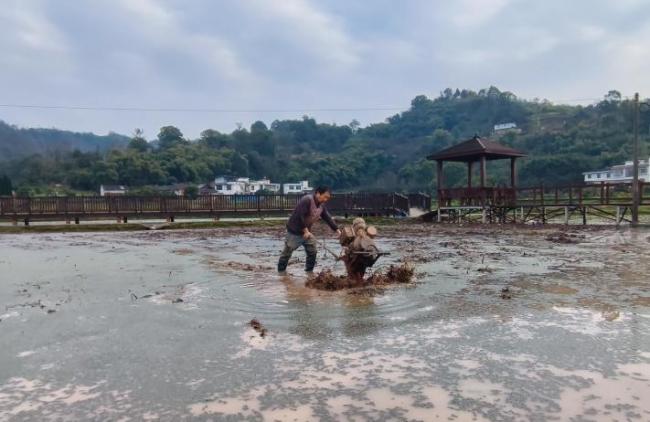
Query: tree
{"type": "Point", "coordinates": [6, 188]}
{"type": "Point", "coordinates": [239, 165]}
{"type": "Point", "coordinates": [170, 136]}
{"type": "Point", "coordinates": [259, 126]}
{"type": "Point", "coordinates": [214, 139]}
{"type": "Point", "coordinates": [138, 143]}
{"type": "Point", "coordinates": [613, 96]}
{"type": "Point", "coordinates": [354, 125]}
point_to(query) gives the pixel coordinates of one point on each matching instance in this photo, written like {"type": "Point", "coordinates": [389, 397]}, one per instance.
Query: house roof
{"type": "Point", "coordinates": [475, 148]}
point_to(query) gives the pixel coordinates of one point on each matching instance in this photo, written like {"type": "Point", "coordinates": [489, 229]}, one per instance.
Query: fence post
{"type": "Point", "coordinates": [566, 215]}
{"type": "Point", "coordinates": [641, 183]}
{"type": "Point", "coordinates": [580, 195]}
{"type": "Point", "coordinates": [543, 205]}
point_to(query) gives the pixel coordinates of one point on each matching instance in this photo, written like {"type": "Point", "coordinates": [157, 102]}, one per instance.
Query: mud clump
{"type": "Point", "coordinates": [396, 274]}
{"type": "Point", "coordinates": [326, 280]}
{"type": "Point", "coordinates": [257, 326]}
{"type": "Point", "coordinates": [563, 237]}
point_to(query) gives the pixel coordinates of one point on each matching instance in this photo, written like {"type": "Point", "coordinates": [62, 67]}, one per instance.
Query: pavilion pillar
{"type": "Point", "coordinates": [440, 175]}
{"type": "Point", "coordinates": [469, 174]}
{"type": "Point", "coordinates": [513, 173]}
{"type": "Point", "coordinates": [483, 171]}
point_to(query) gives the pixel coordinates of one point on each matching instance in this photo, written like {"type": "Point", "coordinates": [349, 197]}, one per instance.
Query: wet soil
{"type": "Point", "coordinates": [497, 323]}
{"type": "Point", "coordinates": [395, 274]}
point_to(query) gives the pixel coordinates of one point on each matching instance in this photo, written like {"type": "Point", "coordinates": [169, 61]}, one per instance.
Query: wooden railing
{"type": "Point", "coordinates": [597, 194]}
{"type": "Point", "coordinates": [476, 197]}
{"type": "Point", "coordinates": [568, 195]}
{"type": "Point", "coordinates": [354, 203]}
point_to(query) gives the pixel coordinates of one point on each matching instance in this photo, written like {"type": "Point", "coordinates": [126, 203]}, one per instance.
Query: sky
{"type": "Point", "coordinates": [199, 64]}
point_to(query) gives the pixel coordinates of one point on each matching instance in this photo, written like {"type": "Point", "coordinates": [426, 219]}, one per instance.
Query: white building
{"type": "Point", "coordinates": [243, 185]}
{"type": "Point", "coordinates": [264, 184]}
{"type": "Point", "coordinates": [111, 190]}
{"type": "Point", "coordinates": [619, 173]}
{"type": "Point", "coordinates": [505, 126]}
{"type": "Point", "coordinates": [296, 188]}
{"type": "Point", "coordinates": [226, 186]}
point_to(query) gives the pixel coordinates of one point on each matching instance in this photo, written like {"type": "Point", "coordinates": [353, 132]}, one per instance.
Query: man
{"type": "Point", "coordinates": [308, 210]}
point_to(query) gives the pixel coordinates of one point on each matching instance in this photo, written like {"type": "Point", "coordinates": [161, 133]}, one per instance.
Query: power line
{"type": "Point", "coordinates": [198, 110]}
{"type": "Point", "coordinates": [236, 111]}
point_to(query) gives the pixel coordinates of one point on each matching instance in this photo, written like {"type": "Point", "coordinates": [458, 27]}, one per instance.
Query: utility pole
{"type": "Point", "coordinates": [635, 169]}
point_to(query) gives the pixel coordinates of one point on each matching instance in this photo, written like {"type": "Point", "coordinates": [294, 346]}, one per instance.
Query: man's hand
{"type": "Point", "coordinates": [306, 234]}
{"type": "Point", "coordinates": [338, 233]}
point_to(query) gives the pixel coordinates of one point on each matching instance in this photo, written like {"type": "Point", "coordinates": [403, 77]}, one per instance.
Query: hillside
{"type": "Point", "coordinates": [18, 143]}
{"type": "Point", "coordinates": [561, 141]}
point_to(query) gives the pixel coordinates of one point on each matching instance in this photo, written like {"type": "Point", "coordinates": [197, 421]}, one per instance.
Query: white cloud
{"type": "Point", "coordinates": [26, 24]}
{"type": "Point", "coordinates": [288, 54]}
{"type": "Point", "coordinates": [474, 13]}
{"type": "Point", "coordinates": [309, 29]}
{"type": "Point", "coordinates": [165, 31]}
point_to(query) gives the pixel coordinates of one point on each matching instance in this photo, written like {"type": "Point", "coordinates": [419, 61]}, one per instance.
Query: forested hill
{"type": "Point", "coordinates": [561, 141]}
{"type": "Point", "coordinates": [17, 143]}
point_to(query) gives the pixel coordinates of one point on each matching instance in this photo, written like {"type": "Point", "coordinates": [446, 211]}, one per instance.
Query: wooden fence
{"type": "Point", "coordinates": [597, 194]}
{"type": "Point", "coordinates": [213, 205]}
{"type": "Point", "coordinates": [539, 196]}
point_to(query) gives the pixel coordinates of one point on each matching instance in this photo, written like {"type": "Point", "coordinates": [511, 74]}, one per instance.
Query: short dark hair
{"type": "Point", "coordinates": [322, 189]}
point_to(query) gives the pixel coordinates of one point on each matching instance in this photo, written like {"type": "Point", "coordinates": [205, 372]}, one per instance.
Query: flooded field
{"type": "Point", "coordinates": [501, 324]}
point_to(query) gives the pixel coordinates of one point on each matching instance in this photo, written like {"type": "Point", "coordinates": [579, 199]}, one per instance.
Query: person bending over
{"type": "Point", "coordinates": [309, 209]}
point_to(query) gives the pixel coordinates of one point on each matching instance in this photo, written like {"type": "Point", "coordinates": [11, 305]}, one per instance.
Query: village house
{"type": "Point", "coordinates": [504, 128]}
{"type": "Point", "coordinates": [296, 188]}
{"type": "Point", "coordinates": [265, 185]}
{"type": "Point", "coordinates": [112, 190]}
{"type": "Point", "coordinates": [224, 185]}
{"type": "Point", "coordinates": [619, 173]}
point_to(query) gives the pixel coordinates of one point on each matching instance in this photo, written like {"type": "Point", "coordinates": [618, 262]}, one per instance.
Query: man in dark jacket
{"type": "Point", "coordinates": [308, 210]}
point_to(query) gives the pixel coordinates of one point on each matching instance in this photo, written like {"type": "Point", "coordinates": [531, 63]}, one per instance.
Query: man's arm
{"type": "Point", "coordinates": [325, 215]}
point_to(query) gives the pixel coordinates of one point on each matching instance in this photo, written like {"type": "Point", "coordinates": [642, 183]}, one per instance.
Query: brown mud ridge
{"type": "Point", "coordinates": [396, 274]}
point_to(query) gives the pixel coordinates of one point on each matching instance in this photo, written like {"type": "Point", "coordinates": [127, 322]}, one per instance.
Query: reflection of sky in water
{"type": "Point", "coordinates": [573, 342]}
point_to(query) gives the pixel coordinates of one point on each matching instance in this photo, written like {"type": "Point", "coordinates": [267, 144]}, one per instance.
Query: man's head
{"type": "Point", "coordinates": [322, 194]}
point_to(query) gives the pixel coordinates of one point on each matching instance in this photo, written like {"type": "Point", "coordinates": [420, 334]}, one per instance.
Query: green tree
{"type": "Point", "coordinates": [138, 143]}
{"type": "Point", "coordinates": [170, 136]}
{"type": "Point", "coordinates": [6, 187]}
{"type": "Point", "coordinates": [192, 191]}
{"type": "Point", "coordinates": [214, 139]}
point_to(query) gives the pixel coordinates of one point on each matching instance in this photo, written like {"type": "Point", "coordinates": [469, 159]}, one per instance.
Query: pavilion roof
{"type": "Point", "coordinates": [475, 148]}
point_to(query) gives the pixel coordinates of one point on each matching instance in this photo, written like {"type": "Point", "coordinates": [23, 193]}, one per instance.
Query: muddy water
{"type": "Point", "coordinates": [154, 326]}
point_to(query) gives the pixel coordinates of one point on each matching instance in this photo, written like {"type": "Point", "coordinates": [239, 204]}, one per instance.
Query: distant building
{"type": "Point", "coordinates": [224, 185]}
{"type": "Point", "coordinates": [505, 126]}
{"type": "Point", "coordinates": [263, 184]}
{"type": "Point", "coordinates": [296, 188]}
{"type": "Point", "coordinates": [619, 173]}
{"type": "Point", "coordinates": [207, 189]}
{"type": "Point", "coordinates": [228, 186]}
{"type": "Point", "coordinates": [112, 190]}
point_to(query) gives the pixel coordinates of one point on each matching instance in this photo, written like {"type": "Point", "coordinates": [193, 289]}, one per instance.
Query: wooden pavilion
{"type": "Point", "coordinates": [479, 150]}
